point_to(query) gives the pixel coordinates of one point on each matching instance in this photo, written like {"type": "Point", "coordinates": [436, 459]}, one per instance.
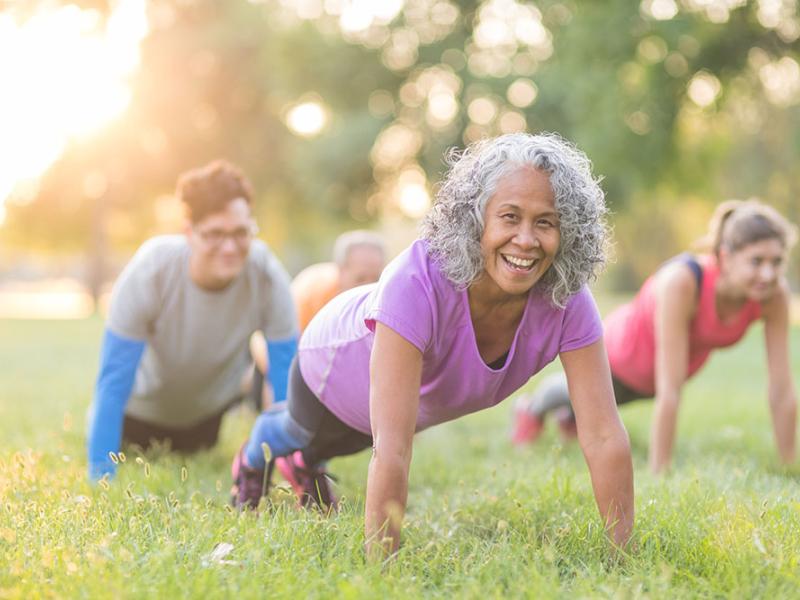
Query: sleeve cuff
{"type": "Point", "coordinates": [100, 469]}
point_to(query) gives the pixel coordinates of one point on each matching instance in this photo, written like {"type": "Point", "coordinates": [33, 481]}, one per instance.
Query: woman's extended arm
{"type": "Point", "coordinates": [782, 397]}
{"type": "Point", "coordinates": [676, 297]}
{"type": "Point", "coordinates": [395, 373]}
{"type": "Point", "coordinates": [602, 437]}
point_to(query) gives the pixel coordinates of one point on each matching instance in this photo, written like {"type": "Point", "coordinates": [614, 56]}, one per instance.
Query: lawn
{"type": "Point", "coordinates": [484, 521]}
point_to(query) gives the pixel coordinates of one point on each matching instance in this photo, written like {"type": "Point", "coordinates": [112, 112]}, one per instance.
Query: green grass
{"type": "Point", "coordinates": [484, 521]}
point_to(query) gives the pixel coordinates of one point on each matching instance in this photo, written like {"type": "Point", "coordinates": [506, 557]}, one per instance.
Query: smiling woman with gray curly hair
{"type": "Point", "coordinates": [454, 225]}
{"type": "Point", "coordinates": [492, 292]}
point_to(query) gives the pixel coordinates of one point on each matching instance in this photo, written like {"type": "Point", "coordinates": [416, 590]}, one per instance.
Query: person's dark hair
{"type": "Point", "coordinates": [739, 223]}
{"type": "Point", "coordinates": [206, 190]}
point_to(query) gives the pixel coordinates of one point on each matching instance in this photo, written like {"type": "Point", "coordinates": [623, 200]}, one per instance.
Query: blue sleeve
{"type": "Point", "coordinates": [119, 360]}
{"type": "Point", "coordinates": [280, 353]}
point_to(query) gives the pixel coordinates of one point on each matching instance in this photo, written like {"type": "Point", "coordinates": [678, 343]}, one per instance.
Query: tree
{"type": "Point", "coordinates": [678, 105]}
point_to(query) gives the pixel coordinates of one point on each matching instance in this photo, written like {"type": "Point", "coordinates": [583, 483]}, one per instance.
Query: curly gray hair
{"type": "Point", "coordinates": [454, 225]}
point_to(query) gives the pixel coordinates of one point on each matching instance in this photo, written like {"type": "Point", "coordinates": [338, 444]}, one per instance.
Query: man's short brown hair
{"type": "Point", "coordinates": [208, 189]}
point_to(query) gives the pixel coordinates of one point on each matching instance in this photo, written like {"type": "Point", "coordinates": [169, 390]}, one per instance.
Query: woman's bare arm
{"type": "Point", "coordinates": [781, 391]}
{"type": "Point", "coordinates": [676, 299]}
{"type": "Point", "coordinates": [395, 374]}
{"type": "Point", "coordinates": [602, 437]}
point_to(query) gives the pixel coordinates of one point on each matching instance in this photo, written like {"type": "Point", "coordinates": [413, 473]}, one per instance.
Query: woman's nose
{"type": "Point", "coordinates": [526, 238]}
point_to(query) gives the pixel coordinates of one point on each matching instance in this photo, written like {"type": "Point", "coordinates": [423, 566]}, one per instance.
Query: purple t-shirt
{"type": "Point", "coordinates": [417, 301]}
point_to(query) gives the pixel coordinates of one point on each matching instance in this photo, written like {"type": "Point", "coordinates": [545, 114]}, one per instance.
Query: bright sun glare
{"type": "Point", "coordinates": [307, 118]}
{"type": "Point", "coordinates": [64, 75]}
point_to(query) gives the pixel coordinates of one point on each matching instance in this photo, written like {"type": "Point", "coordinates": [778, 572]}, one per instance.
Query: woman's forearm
{"type": "Point", "coordinates": [395, 374]}
{"type": "Point", "coordinates": [662, 433]}
{"type": "Point", "coordinates": [611, 470]}
{"type": "Point", "coordinates": [387, 492]}
{"type": "Point", "coordinates": [783, 407]}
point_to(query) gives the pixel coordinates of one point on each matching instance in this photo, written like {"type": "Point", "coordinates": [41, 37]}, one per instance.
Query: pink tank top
{"type": "Point", "coordinates": [630, 332]}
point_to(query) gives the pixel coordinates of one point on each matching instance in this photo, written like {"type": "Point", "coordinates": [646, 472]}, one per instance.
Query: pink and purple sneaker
{"type": "Point", "coordinates": [311, 484]}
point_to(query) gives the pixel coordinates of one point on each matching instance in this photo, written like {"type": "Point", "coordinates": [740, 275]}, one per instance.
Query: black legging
{"type": "Point", "coordinates": [186, 439]}
{"type": "Point", "coordinates": [331, 437]}
{"type": "Point", "coordinates": [321, 433]}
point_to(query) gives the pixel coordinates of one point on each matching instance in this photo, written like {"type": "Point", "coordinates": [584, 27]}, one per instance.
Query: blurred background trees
{"type": "Point", "coordinates": [340, 111]}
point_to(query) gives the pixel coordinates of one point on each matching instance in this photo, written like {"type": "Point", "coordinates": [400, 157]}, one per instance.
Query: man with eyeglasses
{"type": "Point", "coordinates": [174, 351]}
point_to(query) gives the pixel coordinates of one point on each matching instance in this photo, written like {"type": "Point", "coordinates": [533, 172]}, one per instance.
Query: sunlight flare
{"type": "Point", "coordinates": [65, 74]}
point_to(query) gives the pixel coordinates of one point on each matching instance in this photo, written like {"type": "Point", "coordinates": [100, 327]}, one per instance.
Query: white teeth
{"type": "Point", "coordinates": [519, 262]}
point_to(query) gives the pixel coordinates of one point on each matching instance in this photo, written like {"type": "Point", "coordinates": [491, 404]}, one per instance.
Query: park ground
{"type": "Point", "coordinates": [485, 520]}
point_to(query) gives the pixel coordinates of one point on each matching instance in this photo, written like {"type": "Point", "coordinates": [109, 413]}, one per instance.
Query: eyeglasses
{"type": "Point", "coordinates": [240, 236]}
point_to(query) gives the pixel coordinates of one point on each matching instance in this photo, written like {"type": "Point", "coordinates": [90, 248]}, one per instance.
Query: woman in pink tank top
{"type": "Point", "coordinates": [688, 308]}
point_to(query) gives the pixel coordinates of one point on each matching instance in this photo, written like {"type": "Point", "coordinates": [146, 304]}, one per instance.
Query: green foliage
{"type": "Point", "coordinates": [484, 520]}
{"type": "Point", "coordinates": [217, 77]}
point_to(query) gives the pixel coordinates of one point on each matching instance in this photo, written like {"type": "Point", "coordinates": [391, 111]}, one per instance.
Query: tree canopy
{"type": "Point", "coordinates": [341, 111]}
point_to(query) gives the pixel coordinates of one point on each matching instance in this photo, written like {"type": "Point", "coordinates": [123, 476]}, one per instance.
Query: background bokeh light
{"type": "Point", "coordinates": [65, 74]}
{"type": "Point", "coordinates": [341, 112]}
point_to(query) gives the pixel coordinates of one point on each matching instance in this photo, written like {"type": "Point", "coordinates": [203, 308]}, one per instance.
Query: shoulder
{"type": "Point", "coordinates": [580, 306]}
{"type": "Point", "coordinates": [140, 291]}
{"type": "Point", "coordinates": [412, 280]}
{"type": "Point", "coordinates": [408, 298]}
{"type": "Point", "coordinates": [158, 254]}
{"type": "Point", "coordinates": [259, 253]}
{"type": "Point", "coordinates": [413, 276]}
{"type": "Point", "coordinates": [580, 324]}
{"type": "Point", "coordinates": [262, 261]}
{"type": "Point", "coordinates": [414, 262]}
{"type": "Point", "coordinates": [163, 247]}
{"type": "Point", "coordinates": [676, 283]}
{"type": "Point", "coordinates": [581, 299]}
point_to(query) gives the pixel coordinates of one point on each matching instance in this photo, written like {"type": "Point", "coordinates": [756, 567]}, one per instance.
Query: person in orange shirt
{"type": "Point", "coordinates": [358, 258]}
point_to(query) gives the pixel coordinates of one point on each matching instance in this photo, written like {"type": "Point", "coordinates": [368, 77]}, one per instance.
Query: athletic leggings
{"type": "Point", "coordinates": [553, 393]}
{"type": "Point", "coordinates": [186, 439]}
{"type": "Point", "coordinates": [302, 423]}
